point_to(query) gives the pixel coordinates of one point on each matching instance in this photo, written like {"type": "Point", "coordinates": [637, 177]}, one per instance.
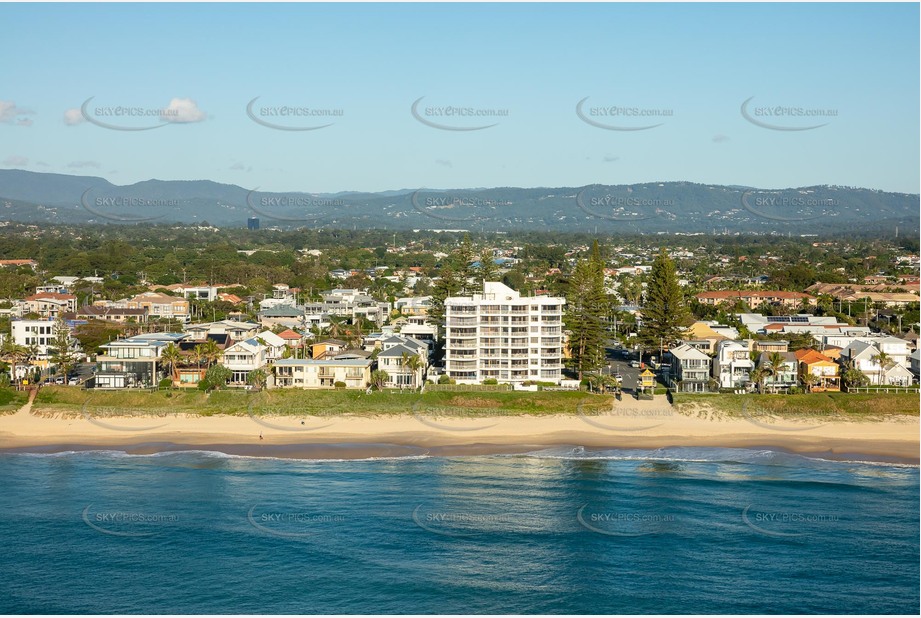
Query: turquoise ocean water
{"type": "Point", "coordinates": [679, 530]}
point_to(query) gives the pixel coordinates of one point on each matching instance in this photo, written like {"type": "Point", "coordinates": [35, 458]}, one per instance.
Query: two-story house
{"type": "Point", "coordinates": [690, 369]}
{"type": "Point", "coordinates": [823, 369]}
{"type": "Point", "coordinates": [782, 377]}
{"type": "Point", "coordinates": [395, 358]}
{"type": "Point", "coordinates": [133, 362]}
{"type": "Point", "coordinates": [311, 373]}
{"type": "Point", "coordinates": [243, 357]}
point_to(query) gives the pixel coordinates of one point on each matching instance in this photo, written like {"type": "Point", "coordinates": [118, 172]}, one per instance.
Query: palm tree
{"type": "Point", "coordinates": [774, 365]}
{"type": "Point", "coordinates": [13, 354]}
{"type": "Point", "coordinates": [758, 376]}
{"type": "Point", "coordinates": [379, 377]}
{"type": "Point", "coordinates": [171, 355]}
{"type": "Point", "coordinates": [404, 362]}
{"type": "Point", "coordinates": [810, 380]}
{"type": "Point", "coordinates": [414, 364]}
{"type": "Point", "coordinates": [853, 376]}
{"type": "Point", "coordinates": [209, 351]}
{"type": "Point", "coordinates": [884, 361]}
{"type": "Point", "coordinates": [336, 326]}
{"type": "Point", "coordinates": [257, 378]}
{"type": "Point", "coordinates": [195, 356]}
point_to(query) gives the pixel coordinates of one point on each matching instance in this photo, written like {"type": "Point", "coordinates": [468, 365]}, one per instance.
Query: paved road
{"type": "Point", "coordinates": [630, 375]}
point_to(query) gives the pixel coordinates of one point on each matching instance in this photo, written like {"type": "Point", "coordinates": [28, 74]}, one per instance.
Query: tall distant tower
{"type": "Point", "coordinates": [252, 223]}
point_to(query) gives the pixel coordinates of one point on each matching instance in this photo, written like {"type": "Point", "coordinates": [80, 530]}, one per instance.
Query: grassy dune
{"type": "Point", "coordinates": [828, 406]}
{"type": "Point", "coordinates": [11, 400]}
{"type": "Point", "coordinates": [70, 401]}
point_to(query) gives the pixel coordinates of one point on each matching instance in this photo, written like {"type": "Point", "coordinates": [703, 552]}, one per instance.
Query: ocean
{"type": "Point", "coordinates": [563, 530]}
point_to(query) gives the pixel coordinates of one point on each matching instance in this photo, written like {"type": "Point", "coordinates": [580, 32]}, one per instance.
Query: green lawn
{"type": "Point", "coordinates": [843, 406]}
{"type": "Point", "coordinates": [55, 399]}
{"type": "Point", "coordinates": [11, 400]}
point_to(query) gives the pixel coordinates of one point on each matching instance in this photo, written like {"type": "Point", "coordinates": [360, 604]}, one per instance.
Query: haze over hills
{"type": "Point", "coordinates": [637, 208]}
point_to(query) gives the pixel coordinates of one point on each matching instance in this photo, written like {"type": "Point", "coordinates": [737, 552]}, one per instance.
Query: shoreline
{"type": "Point", "coordinates": [650, 425]}
{"type": "Point", "coordinates": [358, 451]}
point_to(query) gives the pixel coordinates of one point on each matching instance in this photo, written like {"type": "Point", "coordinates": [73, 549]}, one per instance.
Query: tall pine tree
{"type": "Point", "coordinates": [665, 309]}
{"type": "Point", "coordinates": [586, 312]}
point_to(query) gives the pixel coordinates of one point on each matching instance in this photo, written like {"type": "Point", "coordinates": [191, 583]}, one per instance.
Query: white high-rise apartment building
{"type": "Point", "coordinates": [500, 334]}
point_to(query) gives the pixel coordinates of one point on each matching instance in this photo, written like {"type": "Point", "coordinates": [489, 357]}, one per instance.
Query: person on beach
{"type": "Point", "coordinates": [260, 435]}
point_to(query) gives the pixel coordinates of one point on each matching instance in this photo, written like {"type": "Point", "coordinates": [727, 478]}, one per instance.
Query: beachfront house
{"type": "Point", "coordinates": [732, 365]}
{"type": "Point", "coordinates": [824, 371]}
{"type": "Point", "coordinates": [396, 358]}
{"type": "Point", "coordinates": [865, 357]}
{"type": "Point", "coordinates": [783, 376]}
{"type": "Point", "coordinates": [690, 369]}
{"type": "Point", "coordinates": [133, 362]}
{"type": "Point", "coordinates": [243, 357]}
{"type": "Point", "coordinates": [325, 373]}
{"type": "Point", "coordinates": [897, 375]}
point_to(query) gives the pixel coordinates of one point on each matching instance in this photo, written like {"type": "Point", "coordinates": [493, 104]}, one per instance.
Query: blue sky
{"type": "Point", "coordinates": [855, 63]}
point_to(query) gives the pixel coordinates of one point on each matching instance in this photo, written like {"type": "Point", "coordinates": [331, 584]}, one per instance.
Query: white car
{"type": "Point", "coordinates": [73, 382]}
{"type": "Point", "coordinates": [635, 364]}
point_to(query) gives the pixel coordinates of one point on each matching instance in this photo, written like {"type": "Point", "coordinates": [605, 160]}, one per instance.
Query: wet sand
{"type": "Point", "coordinates": [645, 425]}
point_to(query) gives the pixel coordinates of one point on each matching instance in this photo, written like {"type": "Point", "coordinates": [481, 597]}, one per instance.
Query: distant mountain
{"type": "Point", "coordinates": [638, 208]}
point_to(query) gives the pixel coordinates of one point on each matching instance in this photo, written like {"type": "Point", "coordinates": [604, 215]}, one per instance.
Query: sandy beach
{"type": "Point", "coordinates": [631, 424]}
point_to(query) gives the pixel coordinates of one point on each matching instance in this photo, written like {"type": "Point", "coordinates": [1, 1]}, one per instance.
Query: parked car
{"type": "Point", "coordinates": [73, 381]}
{"type": "Point", "coordinates": [59, 380]}
{"type": "Point", "coordinates": [635, 364]}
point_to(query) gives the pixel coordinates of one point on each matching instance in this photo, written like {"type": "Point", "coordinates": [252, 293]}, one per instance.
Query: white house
{"type": "Point", "coordinates": [275, 346]}
{"type": "Point", "coordinates": [864, 357]}
{"type": "Point", "coordinates": [310, 373]}
{"type": "Point", "coordinates": [38, 333]}
{"type": "Point", "coordinates": [242, 358]}
{"type": "Point", "coordinates": [395, 352]}
{"type": "Point", "coordinates": [690, 369]}
{"type": "Point", "coordinates": [732, 364]}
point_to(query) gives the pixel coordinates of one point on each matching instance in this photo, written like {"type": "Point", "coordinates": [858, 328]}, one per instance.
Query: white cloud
{"type": "Point", "coordinates": [83, 164]}
{"type": "Point", "coordinates": [73, 117]}
{"type": "Point", "coordinates": [719, 139]}
{"type": "Point", "coordinates": [240, 167]}
{"type": "Point", "coordinates": [16, 161]}
{"type": "Point", "coordinates": [182, 110]}
{"type": "Point", "coordinates": [610, 158]}
{"type": "Point", "coordinates": [9, 112]}
{"type": "Point", "coordinates": [444, 162]}
{"type": "Point", "coordinates": [24, 122]}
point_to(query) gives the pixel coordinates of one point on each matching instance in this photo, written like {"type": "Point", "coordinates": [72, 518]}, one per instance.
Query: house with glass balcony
{"type": "Point", "coordinates": [133, 362]}
{"type": "Point", "coordinates": [732, 364]}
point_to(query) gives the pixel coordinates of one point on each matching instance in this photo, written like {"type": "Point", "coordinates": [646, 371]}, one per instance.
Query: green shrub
{"type": "Point", "coordinates": [165, 383]}
{"type": "Point", "coordinates": [490, 381]}
{"type": "Point", "coordinates": [339, 384]}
